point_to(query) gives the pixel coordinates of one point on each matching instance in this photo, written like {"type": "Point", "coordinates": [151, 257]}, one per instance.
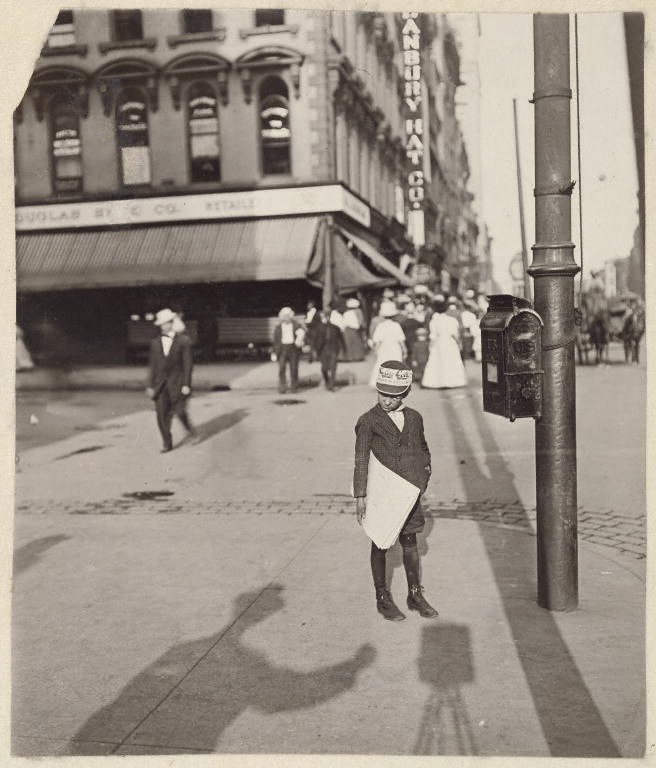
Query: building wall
{"type": "Point", "coordinates": [304, 32]}
{"type": "Point", "coordinates": [346, 121]}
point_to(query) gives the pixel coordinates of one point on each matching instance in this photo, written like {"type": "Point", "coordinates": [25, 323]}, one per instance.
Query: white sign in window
{"type": "Point", "coordinates": [492, 373]}
{"type": "Point", "coordinates": [136, 165]}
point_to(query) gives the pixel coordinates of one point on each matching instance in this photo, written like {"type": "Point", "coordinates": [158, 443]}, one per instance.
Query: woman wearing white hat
{"type": "Point", "coordinates": [353, 340]}
{"type": "Point", "coordinates": [388, 339]}
{"type": "Point", "coordinates": [444, 368]}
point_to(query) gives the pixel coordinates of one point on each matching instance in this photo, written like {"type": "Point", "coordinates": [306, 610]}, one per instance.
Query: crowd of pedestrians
{"type": "Point", "coordinates": [431, 333]}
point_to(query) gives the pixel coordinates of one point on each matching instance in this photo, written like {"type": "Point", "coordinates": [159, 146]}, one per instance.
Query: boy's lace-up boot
{"type": "Point", "coordinates": [417, 602]}
{"type": "Point", "coordinates": [386, 606]}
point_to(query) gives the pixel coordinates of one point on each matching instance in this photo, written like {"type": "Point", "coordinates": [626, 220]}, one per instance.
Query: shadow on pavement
{"type": "Point", "coordinates": [445, 664]}
{"type": "Point", "coordinates": [190, 707]}
{"type": "Point", "coordinates": [30, 554]}
{"type": "Point", "coordinates": [218, 424]}
{"type": "Point", "coordinates": [570, 719]}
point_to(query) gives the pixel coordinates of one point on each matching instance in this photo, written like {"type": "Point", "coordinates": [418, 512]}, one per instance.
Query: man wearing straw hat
{"type": "Point", "coordinates": [169, 381]}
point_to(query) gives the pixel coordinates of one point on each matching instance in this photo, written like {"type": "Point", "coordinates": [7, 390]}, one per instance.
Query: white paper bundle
{"type": "Point", "coordinates": [389, 501]}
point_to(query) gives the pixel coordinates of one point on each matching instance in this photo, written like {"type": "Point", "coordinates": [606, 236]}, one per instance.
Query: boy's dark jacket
{"type": "Point", "coordinates": [405, 453]}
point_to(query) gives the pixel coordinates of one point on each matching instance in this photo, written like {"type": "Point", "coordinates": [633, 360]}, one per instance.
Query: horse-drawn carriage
{"type": "Point", "coordinates": [603, 320]}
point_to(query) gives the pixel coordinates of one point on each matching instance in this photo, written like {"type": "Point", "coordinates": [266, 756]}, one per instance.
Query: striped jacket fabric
{"type": "Point", "coordinates": [404, 452]}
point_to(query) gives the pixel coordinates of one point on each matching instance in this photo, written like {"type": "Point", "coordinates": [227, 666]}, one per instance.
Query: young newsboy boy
{"type": "Point", "coordinates": [394, 434]}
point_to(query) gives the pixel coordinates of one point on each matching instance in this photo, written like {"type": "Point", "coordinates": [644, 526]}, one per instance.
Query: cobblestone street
{"type": "Point", "coordinates": [604, 527]}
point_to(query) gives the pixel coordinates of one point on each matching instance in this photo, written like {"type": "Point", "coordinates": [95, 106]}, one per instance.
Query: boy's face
{"type": "Point", "coordinates": [390, 402]}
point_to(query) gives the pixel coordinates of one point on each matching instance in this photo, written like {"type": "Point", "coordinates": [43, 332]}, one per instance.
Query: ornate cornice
{"type": "Point", "coordinates": [195, 65]}
{"type": "Point", "coordinates": [112, 77]}
{"type": "Point", "coordinates": [272, 58]}
{"type": "Point", "coordinates": [71, 81]}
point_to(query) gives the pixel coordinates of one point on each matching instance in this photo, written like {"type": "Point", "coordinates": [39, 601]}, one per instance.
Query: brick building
{"type": "Point", "coordinates": [223, 162]}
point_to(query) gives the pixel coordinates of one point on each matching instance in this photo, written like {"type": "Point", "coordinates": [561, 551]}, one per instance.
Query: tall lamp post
{"type": "Point", "coordinates": [553, 269]}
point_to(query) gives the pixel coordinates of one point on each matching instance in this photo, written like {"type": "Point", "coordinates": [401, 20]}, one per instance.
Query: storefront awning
{"type": "Point", "coordinates": [227, 251]}
{"type": "Point", "coordinates": [379, 260]}
{"type": "Point", "coordinates": [348, 274]}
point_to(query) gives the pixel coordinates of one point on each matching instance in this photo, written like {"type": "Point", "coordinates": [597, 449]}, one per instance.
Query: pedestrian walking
{"type": "Point", "coordinates": [444, 368]}
{"type": "Point", "coordinates": [288, 340]}
{"type": "Point", "coordinates": [329, 344]}
{"type": "Point", "coordinates": [388, 340]}
{"type": "Point", "coordinates": [390, 443]}
{"type": "Point", "coordinates": [353, 320]}
{"type": "Point", "coordinates": [169, 382]}
{"type": "Point", "coordinates": [312, 325]}
{"type": "Point", "coordinates": [420, 352]}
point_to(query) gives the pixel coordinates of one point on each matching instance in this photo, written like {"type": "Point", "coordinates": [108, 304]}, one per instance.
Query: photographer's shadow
{"type": "Point", "coordinates": [446, 664]}
{"type": "Point", "coordinates": [205, 685]}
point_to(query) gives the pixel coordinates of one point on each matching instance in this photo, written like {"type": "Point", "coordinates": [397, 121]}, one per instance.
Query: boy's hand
{"type": "Point", "coordinates": [360, 508]}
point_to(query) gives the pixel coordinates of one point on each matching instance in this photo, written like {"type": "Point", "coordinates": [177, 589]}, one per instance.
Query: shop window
{"type": "Point", "coordinates": [66, 147]}
{"type": "Point", "coordinates": [196, 20]}
{"type": "Point", "coordinates": [269, 17]}
{"type": "Point", "coordinates": [275, 133]}
{"type": "Point", "coordinates": [132, 136]}
{"type": "Point", "coordinates": [62, 32]}
{"type": "Point", "coordinates": [127, 25]}
{"type": "Point", "coordinates": [204, 146]}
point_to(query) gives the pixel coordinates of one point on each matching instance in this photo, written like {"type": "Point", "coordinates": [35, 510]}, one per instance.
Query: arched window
{"type": "Point", "coordinates": [66, 147]}
{"type": "Point", "coordinates": [204, 147]}
{"type": "Point", "coordinates": [275, 133]}
{"type": "Point", "coordinates": [132, 136]}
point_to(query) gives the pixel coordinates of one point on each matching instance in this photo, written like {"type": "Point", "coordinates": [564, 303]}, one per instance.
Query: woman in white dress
{"type": "Point", "coordinates": [444, 368]}
{"type": "Point", "coordinates": [388, 340]}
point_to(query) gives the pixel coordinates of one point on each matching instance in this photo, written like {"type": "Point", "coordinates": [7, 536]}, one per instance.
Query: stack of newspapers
{"type": "Point", "coordinates": [390, 498]}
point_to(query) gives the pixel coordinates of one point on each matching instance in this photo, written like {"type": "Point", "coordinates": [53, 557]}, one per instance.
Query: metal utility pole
{"type": "Point", "coordinates": [553, 270]}
{"type": "Point", "coordinates": [328, 279]}
{"type": "Point", "coordinates": [527, 280]}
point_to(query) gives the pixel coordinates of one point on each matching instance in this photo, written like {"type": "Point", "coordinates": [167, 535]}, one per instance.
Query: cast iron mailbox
{"type": "Point", "coordinates": [511, 340]}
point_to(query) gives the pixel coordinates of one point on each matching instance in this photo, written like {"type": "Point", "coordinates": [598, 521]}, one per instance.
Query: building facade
{"type": "Point", "coordinates": [224, 162]}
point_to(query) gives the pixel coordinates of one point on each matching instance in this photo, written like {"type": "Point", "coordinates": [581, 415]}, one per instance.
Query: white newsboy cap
{"type": "Point", "coordinates": [393, 378]}
{"type": "Point", "coordinates": [352, 303]}
{"type": "Point", "coordinates": [164, 316]}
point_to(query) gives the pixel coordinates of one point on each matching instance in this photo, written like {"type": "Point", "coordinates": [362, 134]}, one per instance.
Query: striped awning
{"type": "Point", "coordinates": [226, 251]}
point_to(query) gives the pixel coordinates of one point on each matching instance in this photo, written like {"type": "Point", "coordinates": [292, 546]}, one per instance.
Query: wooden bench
{"type": "Point", "coordinates": [243, 331]}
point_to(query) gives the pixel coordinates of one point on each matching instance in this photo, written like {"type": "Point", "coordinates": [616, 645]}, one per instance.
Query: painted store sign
{"type": "Point", "coordinates": [414, 129]}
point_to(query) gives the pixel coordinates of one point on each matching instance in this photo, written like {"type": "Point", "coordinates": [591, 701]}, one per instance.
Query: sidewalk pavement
{"type": "Point", "coordinates": [207, 377]}
{"type": "Point", "coordinates": [218, 598]}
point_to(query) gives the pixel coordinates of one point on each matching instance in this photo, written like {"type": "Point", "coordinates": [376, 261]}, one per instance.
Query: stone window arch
{"type": "Point", "coordinates": [275, 131]}
{"type": "Point", "coordinates": [132, 136]}
{"type": "Point", "coordinates": [203, 132]}
{"type": "Point", "coordinates": [65, 144]}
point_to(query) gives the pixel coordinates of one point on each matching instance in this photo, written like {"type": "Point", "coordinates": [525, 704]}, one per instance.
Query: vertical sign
{"type": "Point", "coordinates": [414, 124]}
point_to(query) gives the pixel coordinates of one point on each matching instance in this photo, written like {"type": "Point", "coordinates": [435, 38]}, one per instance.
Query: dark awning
{"type": "Point", "coordinates": [227, 251]}
{"type": "Point", "coordinates": [348, 273]}
{"type": "Point", "coordinates": [379, 260]}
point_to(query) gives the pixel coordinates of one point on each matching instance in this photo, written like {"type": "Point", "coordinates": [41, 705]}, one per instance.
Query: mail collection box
{"type": "Point", "coordinates": [511, 340]}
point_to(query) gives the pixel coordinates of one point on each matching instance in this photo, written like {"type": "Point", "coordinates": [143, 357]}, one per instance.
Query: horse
{"type": "Point", "coordinates": [599, 336]}
{"type": "Point", "coordinates": [632, 332]}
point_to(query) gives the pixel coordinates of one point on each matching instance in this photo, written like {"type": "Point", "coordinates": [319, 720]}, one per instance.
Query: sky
{"type": "Point", "coordinates": [609, 176]}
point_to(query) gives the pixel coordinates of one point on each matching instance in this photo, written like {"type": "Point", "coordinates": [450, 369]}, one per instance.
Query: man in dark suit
{"type": "Point", "coordinates": [169, 383]}
{"type": "Point", "coordinates": [328, 344]}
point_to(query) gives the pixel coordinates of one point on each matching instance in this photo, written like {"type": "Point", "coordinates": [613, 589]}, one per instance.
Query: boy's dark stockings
{"type": "Point", "coordinates": [416, 600]}
{"type": "Point", "coordinates": [410, 558]}
{"type": "Point", "coordinates": [410, 561]}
